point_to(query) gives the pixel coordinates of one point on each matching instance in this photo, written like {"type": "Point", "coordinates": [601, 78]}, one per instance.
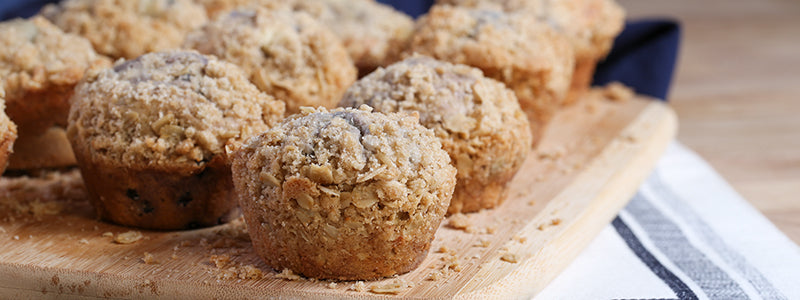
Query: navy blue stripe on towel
{"type": "Point", "coordinates": [668, 238]}
{"type": "Point", "coordinates": [682, 291]}
{"type": "Point", "coordinates": [674, 202]}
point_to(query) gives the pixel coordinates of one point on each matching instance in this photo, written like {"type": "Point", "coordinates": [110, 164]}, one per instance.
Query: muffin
{"type": "Point", "coordinates": [8, 134]}
{"type": "Point", "coordinates": [216, 8]}
{"type": "Point", "coordinates": [128, 28]}
{"type": "Point", "coordinates": [285, 54]}
{"type": "Point", "coordinates": [39, 68]}
{"type": "Point", "coordinates": [477, 119]}
{"type": "Point", "coordinates": [152, 137]}
{"type": "Point", "coordinates": [370, 31]}
{"type": "Point", "coordinates": [589, 25]}
{"type": "Point", "coordinates": [344, 194]}
{"type": "Point", "coordinates": [529, 57]}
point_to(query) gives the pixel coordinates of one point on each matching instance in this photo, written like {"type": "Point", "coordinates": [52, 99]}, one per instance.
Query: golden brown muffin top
{"type": "Point", "coordinates": [368, 170]}
{"type": "Point", "coordinates": [35, 55]}
{"type": "Point", "coordinates": [128, 28]}
{"type": "Point", "coordinates": [590, 25]}
{"type": "Point", "coordinates": [368, 29]}
{"type": "Point", "coordinates": [286, 54]}
{"type": "Point", "coordinates": [168, 109]}
{"type": "Point", "coordinates": [471, 114]}
{"type": "Point", "coordinates": [216, 8]}
{"type": "Point", "coordinates": [491, 39]}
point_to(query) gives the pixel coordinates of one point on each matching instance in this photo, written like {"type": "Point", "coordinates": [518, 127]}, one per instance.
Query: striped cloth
{"type": "Point", "coordinates": [685, 235]}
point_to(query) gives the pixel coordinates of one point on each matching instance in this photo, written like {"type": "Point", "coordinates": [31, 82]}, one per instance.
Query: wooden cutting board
{"type": "Point", "coordinates": [590, 162]}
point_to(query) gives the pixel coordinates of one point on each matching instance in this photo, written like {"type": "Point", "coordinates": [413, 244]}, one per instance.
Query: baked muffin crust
{"type": "Point", "coordinates": [39, 67]}
{"type": "Point", "coordinates": [529, 57]}
{"type": "Point", "coordinates": [8, 134]}
{"type": "Point", "coordinates": [286, 54]}
{"type": "Point", "coordinates": [477, 119]}
{"type": "Point", "coordinates": [589, 25]}
{"type": "Point", "coordinates": [128, 28]}
{"type": "Point", "coordinates": [152, 137]}
{"type": "Point", "coordinates": [344, 194]}
{"type": "Point", "coordinates": [372, 32]}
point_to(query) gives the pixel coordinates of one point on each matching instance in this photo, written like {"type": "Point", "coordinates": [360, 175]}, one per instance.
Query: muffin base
{"type": "Point", "coordinates": [49, 150]}
{"type": "Point", "coordinates": [473, 195]}
{"type": "Point", "coordinates": [381, 258]}
{"type": "Point", "coordinates": [160, 199]}
{"type": "Point", "coordinates": [581, 79]}
{"type": "Point", "coordinates": [6, 144]}
{"type": "Point", "coordinates": [37, 111]}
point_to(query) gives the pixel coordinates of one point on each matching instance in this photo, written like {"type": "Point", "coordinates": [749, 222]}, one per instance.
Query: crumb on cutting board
{"type": "Point", "coordinates": [393, 287]}
{"type": "Point", "coordinates": [288, 275]}
{"type": "Point", "coordinates": [358, 286]}
{"type": "Point", "coordinates": [460, 221]}
{"type": "Point", "coordinates": [128, 237]}
{"type": "Point", "coordinates": [149, 259]}
{"type": "Point", "coordinates": [509, 257]}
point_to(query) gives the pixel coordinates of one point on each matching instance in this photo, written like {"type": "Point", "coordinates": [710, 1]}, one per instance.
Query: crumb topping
{"type": "Point", "coordinates": [370, 30]}
{"type": "Point", "coordinates": [35, 55]}
{"type": "Point", "coordinates": [286, 54]}
{"type": "Point", "coordinates": [168, 109]}
{"type": "Point", "coordinates": [128, 28]}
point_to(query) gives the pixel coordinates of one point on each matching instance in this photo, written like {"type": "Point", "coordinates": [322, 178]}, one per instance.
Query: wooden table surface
{"type": "Point", "coordinates": [737, 95]}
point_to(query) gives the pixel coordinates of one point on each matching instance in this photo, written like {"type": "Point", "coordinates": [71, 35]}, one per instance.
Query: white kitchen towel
{"type": "Point", "coordinates": [685, 235]}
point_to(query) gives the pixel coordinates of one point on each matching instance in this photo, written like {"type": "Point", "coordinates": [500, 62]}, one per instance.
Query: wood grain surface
{"type": "Point", "coordinates": [737, 95]}
{"type": "Point", "coordinates": [589, 164]}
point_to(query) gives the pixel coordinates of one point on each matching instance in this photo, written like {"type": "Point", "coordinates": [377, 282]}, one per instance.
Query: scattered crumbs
{"type": "Point", "coordinates": [220, 261]}
{"type": "Point", "coordinates": [108, 234]}
{"type": "Point", "coordinates": [553, 154]}
{"type": "Point", "coordinates": [491, 229]}
{"type": "Point", "coordinates": [520, 239]}
{"type": "Point", "coordinates": [394, 286]}
{"type": "Point", "coordinates": [531, 203]}
{"type": "Point", "coordinates": [444, 249]}
{"type": "Point", "coordinates": [509, 257]}
{"type": "Point", "coordinates": [483, 243]}
{"type": "Point", "coordinates": [629, 138]}
{"type": "Point", "coordinates": [249, 272]}
{"type": "Point", "coordinates": [476, 256]}
{"type": "Point", "coordinates": [289, 275]}
{"type": "Point", "coordinates": [128, 237]}
{"type": "Point", "coordinates": [358, 286]}
{"type": "Point", "coordinates": [436, 275]}
{"type": "Point", "coordinates": [149, 259]}
{"type": "Point", "coordinates": [555, 222]}
{"type": "Point", "coordinates": [618, 92]}
{"type": "Point", "coordinates": [174, 256]}
{"type": "Point", "coordinates": [541, 227]}
{"type": "Point", "coordinates": [83, 241]}
{"type": "Point", "coordinates": [332, 285]}
{"type": "Point", "coordinates": [16, 238]}
{"type": "Point", "coordinates": [451, 263]}
{"type": "Point", "coordinates": [459, 221]}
